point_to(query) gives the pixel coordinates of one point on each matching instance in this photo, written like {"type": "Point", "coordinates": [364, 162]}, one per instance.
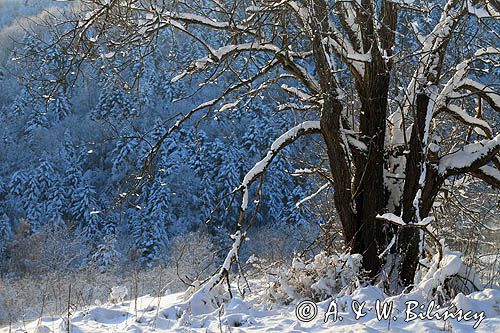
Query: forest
{"type": "Point", "coordinates": [257, 153]}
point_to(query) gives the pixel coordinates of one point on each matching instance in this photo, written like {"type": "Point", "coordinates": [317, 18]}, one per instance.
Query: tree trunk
{"type": "Point", "coordinates": [359, 189]}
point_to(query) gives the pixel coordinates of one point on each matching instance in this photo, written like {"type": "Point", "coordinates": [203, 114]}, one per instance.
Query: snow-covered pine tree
{"type": "Point", "coordinates": [84, 210]}
{"type": "Point", "coordinates": [56, 203]}
{"type": "Point", "coordinates": [115, 102]}
{"type": "Point", "coordinates": [6, 233]}
{"type": "Point", "coordinates": [124, 155]}
{"type": "Point", "coordinates": [59, 105]}
{"type": "Point", "coordinates": [149, 229]}
{"type": "Point", "coordinates": [72, 166]}
{"type": "Point", "coordinates": [3, 188]}
{"type": "Point", "coordinates": [42, 101]}
{"type": "Point", "coordinates": [45, 174]}
{"type": "Point", "coordinates": [18, 183]}
{"type": "Point", "coordinates": [91, 226]}
{"type": "Point", "coordinates": [106, 254]}
{"type": "Point", "coordinates": [37, 119]}
{"type": "Point", "coordinates": [22, 104]}
{"type": "Point", "coordinates": [33, 207]}
{"type": "Point", "coordinates": [36, 194]}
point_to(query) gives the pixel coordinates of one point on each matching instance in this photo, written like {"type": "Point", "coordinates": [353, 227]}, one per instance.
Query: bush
{"type": "Point", "coordinates": [319, 278]}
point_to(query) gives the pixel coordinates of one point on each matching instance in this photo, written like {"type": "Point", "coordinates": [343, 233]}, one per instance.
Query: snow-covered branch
{"type": "Point", "coordinates": [469, 157]}
{"type": "Point", "coordinates": [307, 127]}
{"type": "Point", "coordinates": [488, 174]}
{"type": "Point", "coordinates": [460, 81]}
{"type": "Point", "coordinates": [313, 195]}
{"type": "Point", "coordinates": [460, 114]}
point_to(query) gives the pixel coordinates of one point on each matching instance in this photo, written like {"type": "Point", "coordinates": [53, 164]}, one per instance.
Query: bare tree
{"type": "Point", "coordinates": [388, 150]}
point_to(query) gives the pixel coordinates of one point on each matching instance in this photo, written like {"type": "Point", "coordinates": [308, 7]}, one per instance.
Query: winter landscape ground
{"type": "Point", "coordinates": [249, 166]}
{"type": "Point", "coordinates": [356, 312]}
{"type": "Point", "coordinates": [154, 314]}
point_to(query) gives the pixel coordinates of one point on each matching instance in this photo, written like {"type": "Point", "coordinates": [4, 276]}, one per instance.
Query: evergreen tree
{"type": "Point", "coordinates": [21, 105]}
{"type": "Point", "coordinates": [115, 103]}
{"type": "Point", "coordinates": [18, 183]}
{"type": "Point", "coordinates": [84, 209]}
{"type": "Point", "coordinates": [149, 229]}
{"type": "Point", "coordinates": [73, 168]}
{"type": "Point", "coordinates": [45, 175]}
{"type": "Point", "coordinates": [57, 203]}
{"type": "Point", "coordinates": [59, 105]}
{"type": "Point", "coordinates": [123, 156]}
{"type": "Point", "coordinates": [6, 233]}
{"type": "Point", "coordinates": [91, 226]}
{"type": "Point", "coordinates": [38, 119]}
{"type": "Point", "coordinates": [3, 188]}
{"type": "Point", "coordinates": [106, 254]}
{"type": "Point", "coordinates": [109, 225]}
{"type": "Point", "coordinates": [31, 202]}
{"type": "Point", "coordinates": [83, 200]}
{"type": "Point", "coordinates": [36, 194]}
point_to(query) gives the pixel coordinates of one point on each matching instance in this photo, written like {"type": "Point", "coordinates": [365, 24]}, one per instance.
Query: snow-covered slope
{"type": "Point", "coordinates": [159, 314]}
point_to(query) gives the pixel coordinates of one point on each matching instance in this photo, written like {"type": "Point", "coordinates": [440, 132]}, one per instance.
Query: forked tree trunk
{"type": "Point", "coordinates": [360, 193]}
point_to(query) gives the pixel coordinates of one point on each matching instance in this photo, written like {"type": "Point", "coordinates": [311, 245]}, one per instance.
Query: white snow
{"type": "Point", "coordinates": [228, 106]}
{"type": "Point", "coordinates": [277, 145]}
{"type": "Point", "coordinates": [490, 171]}
{"type": "Point", "coordinates": [468, 154]}
{"type": "Point", "coordinates": [464, 116]}
{"type": "Point", "coordinates": [118, 294]}
{"type": "Point", "coordinates": [309, 197]}
{"type": "Point", "coordinates": [296, 92]}
{"type": "Point", "coordinates": [392, 218]}
{"type": "Point", "coordinates": [477, 11]}
{"type": "Point", "coordinates": [108, 55]}
{"type": "Point", "coordinates": [251, 314]}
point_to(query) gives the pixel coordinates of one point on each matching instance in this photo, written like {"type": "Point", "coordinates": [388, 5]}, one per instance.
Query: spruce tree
{"type": "Point", "coordinates": [59, 105]}
{"type": "Point", "coordinates": [123, 156]}
{"type": "Point", "coordinates": [106, 254]}
{"type": "Point", "coordinates": [115, 103]}
{"type": "Point", "coordinates": [57, 203]}
{"type": "Point", "coordinates": [18, 183]}
{"type": "Point", "coordinates": [6, 233]}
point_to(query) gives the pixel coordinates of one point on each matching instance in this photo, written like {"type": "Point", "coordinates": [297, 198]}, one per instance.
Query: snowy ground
{"type": "Point", "coordinates": [148, 314]}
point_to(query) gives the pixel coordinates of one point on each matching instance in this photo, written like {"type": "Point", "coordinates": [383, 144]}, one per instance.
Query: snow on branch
{"type": "Point", "coordinates": [490, 95]}
{"type": "Point", "coordinates": [488, 174]}
{"type": "Point", "coordinates": [336, 41]}
{"type": "Point", "coordinates": [203, 295]}
{"type": "Point", "coordinates": [430, 54]}
{"type": "Point", "coordinates": [217, 55]}
{"type": "Point", "coordinates": [307, 127]}
{"type": "Point", "coordinates": [285, 58]}
{"type": "Point", "coordinates": [488, 11]}
{"type": "Point", "coordinates": [348, 16]}
{"type": "Point", "coordinates": [202, 20]}
{"type": "Point", "coordinates": [457, 112]}
{"type": "Point", "coordinates": [397, 220]}
{"type": "Point", "coordinates": [301, 95]}
{"type": "Point", "coordinates": [151, 10]}
{"type": "Point", "coordinates": [310, 197]}
{"type": "Point", "coordinates": [460, 81]}
{"type": "Point", "coordinates": [394, 219]}
{"type": "Point", "coordinates": [469, 157]}
{"type": "Point", "coordinates": [432, 48]}
{"type": "Point", "coordinates": [344, 49]}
